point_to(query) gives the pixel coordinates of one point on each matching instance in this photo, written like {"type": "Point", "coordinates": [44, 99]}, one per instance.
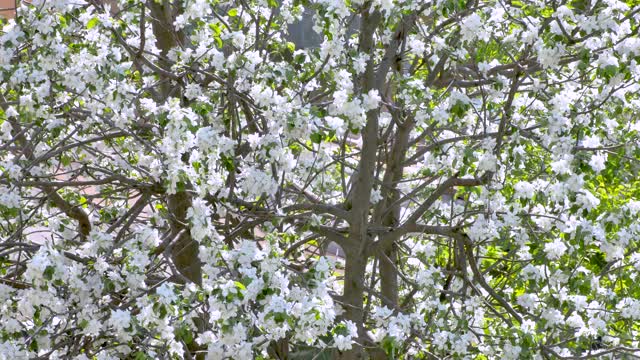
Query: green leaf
{"type": "Point", "coordinates": [459, 109]}
{"type": "Point", "coordinates": [215, 28]}
{"type": "Point", "coordinates": [184, 333]}
{"type": "Point", "coordinates": [389, 346]}
{"type": "Point", "coordinates": [92, 23]}
{"type": "Point", "coordinates": [33, 346]}
{"type": "Point", "coordinates": [63, 21]}
{"type": "Point", "coordinates": [316, 137]}
{"type": "Point", "coordinates": [141, 356]}
{"type": "Point", "coordinates": [109, 286]}
{"type": "Point", "coordinates": [181, 186]}
{"type": "Point", "coordinates": [162, 311]}
{"type": "Point", "coordinates": [299, 59]}
{"type": "Point", "coordinates": [65, 160]}
{"type": "Point", "coordinates": [279, 317]}
{"type": "Point", "coordinates": [597, 261]}
{"type": "Point", "coordinates": [233, 12]}
{"type": "Point", "coordinates": [610, 71]}
{"type": "Point", "coordinates": [48, 272]}
{"type": "Point", "coordinates": [227, 162]}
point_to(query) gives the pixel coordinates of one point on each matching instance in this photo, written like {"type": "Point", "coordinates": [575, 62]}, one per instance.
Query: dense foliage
{"type": "Point", "coordinates": [436, 179]}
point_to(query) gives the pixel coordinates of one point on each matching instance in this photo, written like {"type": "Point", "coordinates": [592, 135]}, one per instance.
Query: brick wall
{"type": "Point", "coordinates": [7, 8]}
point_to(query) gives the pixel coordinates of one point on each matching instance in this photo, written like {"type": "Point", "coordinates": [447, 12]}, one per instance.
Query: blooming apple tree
{"type": "Point", "coordinates": [173, 175]}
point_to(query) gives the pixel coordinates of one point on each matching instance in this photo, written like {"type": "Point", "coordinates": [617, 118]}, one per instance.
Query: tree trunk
{"type": "Point", "coordinates": [184, 251]}
{"type": "Point", "coordinates": [356, 261]}
{"type": "Point", "coordinates": [388, 213]}
{"type": "Point", "coordinates": [389, 277]}
{"type": "Point", "coordinates": [354, 278]}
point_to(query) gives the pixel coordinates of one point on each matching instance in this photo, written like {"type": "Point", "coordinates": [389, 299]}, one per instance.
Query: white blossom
{"type": "Point", "coordinates": [555, 249]}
